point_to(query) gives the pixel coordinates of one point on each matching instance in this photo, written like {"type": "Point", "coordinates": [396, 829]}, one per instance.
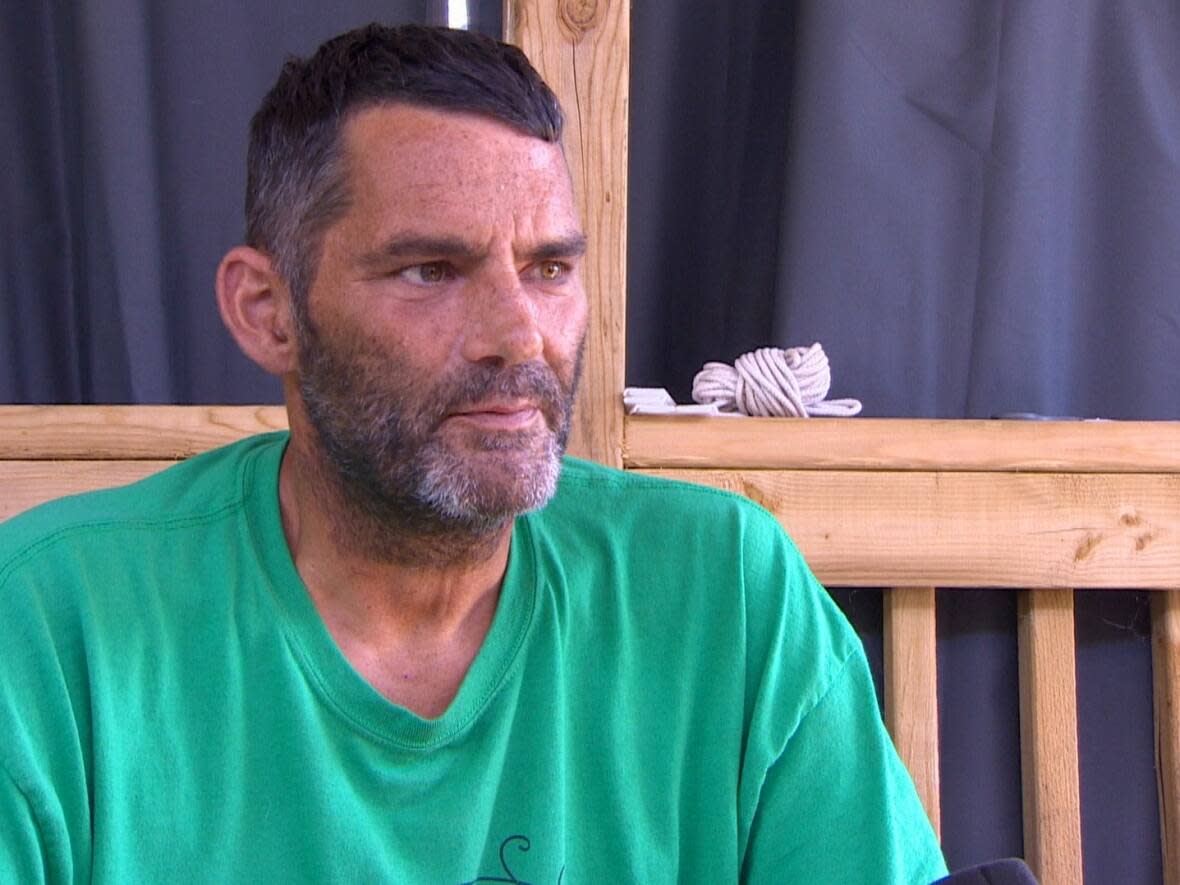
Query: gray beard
{"type": "Point", "coordinates": [400, 493]}
{"type": "Point", "coordinates": [448, 488]}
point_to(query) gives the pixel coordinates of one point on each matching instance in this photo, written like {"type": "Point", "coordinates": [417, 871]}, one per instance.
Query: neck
{"type": "Point", "coordinates": [377, 572]}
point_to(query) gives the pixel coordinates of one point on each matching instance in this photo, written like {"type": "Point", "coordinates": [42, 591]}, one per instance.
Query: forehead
{"type": "Point", "coordinates": [442, 168]}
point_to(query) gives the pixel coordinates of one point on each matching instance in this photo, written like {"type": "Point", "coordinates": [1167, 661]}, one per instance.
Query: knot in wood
{"type": "Point", "coordinates": [580, 16]}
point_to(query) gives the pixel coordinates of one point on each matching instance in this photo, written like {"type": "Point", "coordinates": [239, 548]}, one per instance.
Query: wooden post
{"type": "Point", "coordinates": [1049, 737]}
{"type": "Point", "coordinates": [582, 49]}
{"type": "Point", "coordinates": [911, 689]}
{"type": "Point", "coordinates": [1165, 661]}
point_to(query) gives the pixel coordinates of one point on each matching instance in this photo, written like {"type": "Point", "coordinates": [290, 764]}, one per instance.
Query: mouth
{"type": "Point", "coordinates": [502, 416]}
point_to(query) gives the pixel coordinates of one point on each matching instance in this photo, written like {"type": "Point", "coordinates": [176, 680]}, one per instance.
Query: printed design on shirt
{"type": "Point", "coordinates": [522, 844]}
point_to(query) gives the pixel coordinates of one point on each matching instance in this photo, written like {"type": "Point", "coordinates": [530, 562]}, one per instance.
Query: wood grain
{"type": "Point", "coordinates": [582, 49]}
{"type": "Point", "coordinates": [882, 529]}
{"type": "Point", "coordinates": [136, 432]}
{"type": "Point", "coordinates": [902, 444]}
{"type": "Point", "coordinates": [911, 689]}
{"type": "Point", "coordinates": [25, 484]}
{"type": "Point", "coordinates": [1165, 647]}
{"type": "Point", "coordinates": [1049, 737]}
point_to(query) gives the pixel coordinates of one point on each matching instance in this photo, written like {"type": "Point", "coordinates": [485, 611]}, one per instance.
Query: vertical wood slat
{"type": "Point", "coordinates": [1165, 664]}
{"type": "Point", "coordinates": [1049, 736]}
{"type": "Point", "coordinates": [582, 49]}
{"type": "Point", "coordinates": [911, 689]}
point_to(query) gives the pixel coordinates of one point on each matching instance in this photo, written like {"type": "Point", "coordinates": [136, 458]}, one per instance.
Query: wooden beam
{"type": "Point", "coordinates": [1049, 737]}
{"type": "Point", "coordinates": [891, 529]}
{"type": "Point", "coordinates": [1165, 647]}
{"type": "Point", "coordinates": [115, 432]}
{"type": "Point", "coordinates": [582, 49]}
{"type": "Point", "coordinates": [902, 444]}
{"type": "Point", "coordinates": [911, 689]}
{"type": "Point", "coordinates": [28, 483]}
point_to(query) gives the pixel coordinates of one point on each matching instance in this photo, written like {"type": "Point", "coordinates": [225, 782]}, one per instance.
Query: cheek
{"type": "Point", "coordinates": [425, 336]}
{"type": "Point", "coordinates": [565, 327]}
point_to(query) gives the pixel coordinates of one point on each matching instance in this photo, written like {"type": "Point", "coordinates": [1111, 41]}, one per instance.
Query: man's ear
{"type": "Point", "coordinates": [255, 304]}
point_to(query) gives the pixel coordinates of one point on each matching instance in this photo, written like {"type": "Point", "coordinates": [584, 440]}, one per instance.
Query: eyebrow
{"type": "Point", "coordinates": [413, 245]}
{"type": "Point", "coordinates": [573, 246]}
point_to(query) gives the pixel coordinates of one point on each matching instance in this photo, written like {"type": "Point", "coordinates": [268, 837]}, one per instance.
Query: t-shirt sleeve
{"type": "Point", "coordinates": [837, 805]}
{"type": "Point", "coordinates": [42, 780]}
{"type": "Point", "coordinates": [823, 795]}
{"type": "Point", "coordinates": [21, 851]}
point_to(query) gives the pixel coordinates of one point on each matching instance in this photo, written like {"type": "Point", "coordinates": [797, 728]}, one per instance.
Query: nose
{"type": "Point", "coordinates": [502, 323]}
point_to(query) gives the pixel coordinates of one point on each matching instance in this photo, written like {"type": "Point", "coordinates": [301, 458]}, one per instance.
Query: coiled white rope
{"type": "Point", "coordinates": [771, 381]}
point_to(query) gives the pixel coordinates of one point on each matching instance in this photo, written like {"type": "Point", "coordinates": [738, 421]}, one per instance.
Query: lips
{"type": "Point", "coordinates": [515, 415]}
{"type": "Point", "coordinates": [514, 398]}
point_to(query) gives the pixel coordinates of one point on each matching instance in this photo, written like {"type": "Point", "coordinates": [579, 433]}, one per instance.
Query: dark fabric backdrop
{"type": "Point", "coordinates": [123, 174]}
{"type": "Point", "coordinates": [975, 206]}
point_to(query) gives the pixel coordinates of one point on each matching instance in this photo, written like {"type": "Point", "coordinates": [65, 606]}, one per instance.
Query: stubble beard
{"type": "Point", "coordinates": [408, 488]}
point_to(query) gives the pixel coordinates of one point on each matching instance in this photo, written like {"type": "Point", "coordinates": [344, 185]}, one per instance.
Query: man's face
{"type": "Point", "coordinates": [446, 318]}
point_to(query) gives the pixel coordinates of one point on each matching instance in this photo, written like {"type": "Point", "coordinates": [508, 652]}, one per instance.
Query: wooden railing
{"type": "Point", "coordinates": [1044, 508]}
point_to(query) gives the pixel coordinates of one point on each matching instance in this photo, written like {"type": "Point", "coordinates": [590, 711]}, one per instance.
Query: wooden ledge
{"type": "Point", "coordinates": [906, 528]}
{"type": "Point", "coordinates": [119, 433]}
{"type": "Point", "coordinates": [901, 444]}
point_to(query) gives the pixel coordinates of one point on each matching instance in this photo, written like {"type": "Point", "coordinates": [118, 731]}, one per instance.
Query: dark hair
{"type": "Point", "coordinates": [297, 183]}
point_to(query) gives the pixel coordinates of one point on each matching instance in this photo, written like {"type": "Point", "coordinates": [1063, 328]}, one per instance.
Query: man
{"type": "Point", "coordinates": [405, 643]}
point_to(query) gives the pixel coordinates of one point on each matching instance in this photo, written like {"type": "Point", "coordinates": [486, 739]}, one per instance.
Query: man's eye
{"type": "Point", "coordinates": [551, 271]}
{"type": "Point", "coordinates": [428, 274]}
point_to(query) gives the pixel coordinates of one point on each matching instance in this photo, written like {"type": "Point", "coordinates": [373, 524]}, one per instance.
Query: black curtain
{"type": "Point", "coordinates": [123, 173]}
{"type": "Point", "coordinates": [975, 207]}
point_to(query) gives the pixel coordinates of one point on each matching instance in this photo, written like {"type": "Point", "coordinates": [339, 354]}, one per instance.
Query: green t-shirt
{"type": "Point", "coordinates": [665, 694]}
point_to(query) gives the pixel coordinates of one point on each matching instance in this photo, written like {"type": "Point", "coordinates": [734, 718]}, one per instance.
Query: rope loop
{"type": "Point", "coordinates": [772, 382]}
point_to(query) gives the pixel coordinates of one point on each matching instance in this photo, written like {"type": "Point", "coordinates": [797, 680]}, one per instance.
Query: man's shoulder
{"type": "Point", "coordinates": [665, 518]}
{"type": "Point", "coordinates": [104, 521]}
{"type": "Point", "coordinates": [585, 482]}
{"type": "Point", "coordinates": [667, 524]}
{"type": "Point", "coordinates": [701, 545]}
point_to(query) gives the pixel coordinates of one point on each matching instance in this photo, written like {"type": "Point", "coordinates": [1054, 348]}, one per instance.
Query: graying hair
{"type": "Point", "coordinates": [297, 177]}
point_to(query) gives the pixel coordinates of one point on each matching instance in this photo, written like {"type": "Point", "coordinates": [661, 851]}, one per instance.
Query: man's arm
{"type": "Point", "coordinates": [22, 847]}
{"type": "Point", "coordinates": [44, 803]}
{"type": "Point", "coordinates": [838, 804]}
